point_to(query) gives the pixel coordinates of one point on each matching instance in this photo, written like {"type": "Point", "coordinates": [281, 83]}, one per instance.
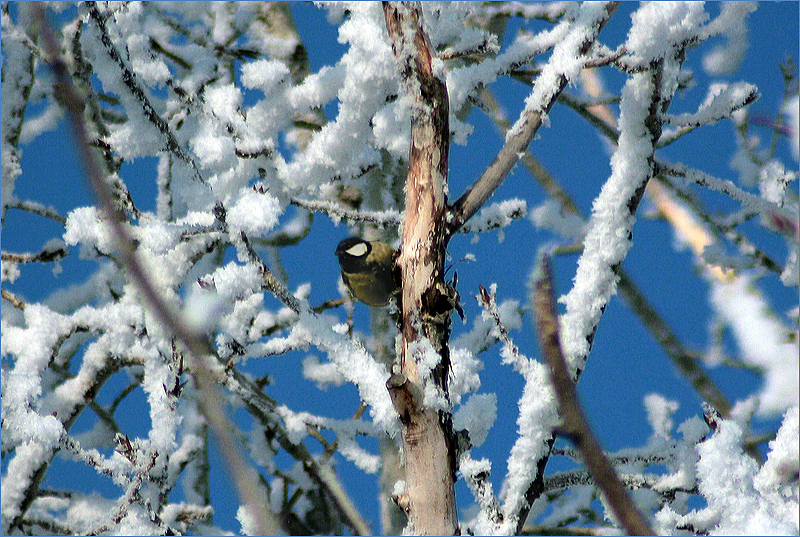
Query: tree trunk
{"type": "Point", "coordinates": [429, 498]}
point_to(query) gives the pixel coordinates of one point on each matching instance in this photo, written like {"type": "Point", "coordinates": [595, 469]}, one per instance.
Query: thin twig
{"type": "Point", "coordinates": [37, 208]}
{"type": "Point", "coordinates": [11, 297]}
{"type": "Point", "coordinates": [336, 211]}
{"type": "Point", "coordinates": [683, 358]}
{"type": "Point", "coordinates": [271, 283]}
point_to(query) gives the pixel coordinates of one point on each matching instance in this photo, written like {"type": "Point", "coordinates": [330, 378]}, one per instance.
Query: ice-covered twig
{"type": "Point", "coordinates": [721, 102]}
{"type": "Point", "coordinates": [337, 212]}
{"type": "Point", "coordinates": [271, 283]}
{"type": "Point", "coordinates": [37, 208]}
{"type": "Point", "coordinates": [133, 496]}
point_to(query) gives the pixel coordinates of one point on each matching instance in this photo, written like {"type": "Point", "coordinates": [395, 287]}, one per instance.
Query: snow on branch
{"type": "Point", "coordinates": [521, 52]}
{"type": "Point", "coordinates": [565, 63]}
{"type": "Point", "coordinates": [510, 352]}
{"type": "Point", "coordinates": [476, 474]}
{"type": "Point", "coordinates": [496, 216]}
{"type": "Point", "coordinates": [337, 212]}
{"type": "Point", "coordinates": [722, 101]}
{"type": "Point", "coordinates": [178, 311]}
{"type": "Point", "coordinates": [609, 229]}
{"type": "Point", "coordinates": [741, 497]}
{"type": "Point", "coordinates": [536, 406]}
{"type": "Point", "coordinates": [130, 80]}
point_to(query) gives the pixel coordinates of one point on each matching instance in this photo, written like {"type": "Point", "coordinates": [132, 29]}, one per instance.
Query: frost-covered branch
{"type": "Point", "coordinates": [270, 282]}
{"type": "Point", "coordinates": [753, 204]}
{"type": "Point", "coordinates": [721, 102]}
{"type": "Point", "coordinates": [31, 460]}
{"type": "Point", "coordinates": [36, 208]}
{"type": "Point", "coordinates": [265, 410]}
{"type": "Point", "coordinates": [609, 230]}
{"type": "Point", "coordinates": [197, 344]}
{"type": "Point", "coordinates": [337, 212]}
{"type": "Point", "coordinates": [52, 253]}
{"type": "Point", "coordinates": [18, 79]}
{"type": "Point", "coordinates": [510, 351]}
{"type": "Point", "coordinates": [130, 80]}
{"type": "Point", "coordinates": [553, 79]}
{"type": "Point", "coordinates": [94, 376]}
{"type": "Point", "coordinates": [476, 474]}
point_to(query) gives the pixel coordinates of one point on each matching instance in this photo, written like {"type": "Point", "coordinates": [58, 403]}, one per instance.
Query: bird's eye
{"type": "Point", "coordinates": [357, 250]}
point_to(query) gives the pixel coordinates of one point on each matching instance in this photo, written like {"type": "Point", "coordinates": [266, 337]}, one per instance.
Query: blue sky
{"type": "Point", "coordinates": [625, 364]}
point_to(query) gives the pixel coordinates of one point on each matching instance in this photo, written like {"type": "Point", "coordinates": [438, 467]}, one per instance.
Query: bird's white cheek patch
{"type": "Point", "coordinates": [358, 250]}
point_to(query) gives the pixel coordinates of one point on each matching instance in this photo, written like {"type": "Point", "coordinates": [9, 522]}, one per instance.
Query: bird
{"type": "Point", "coordinates": [369, 270]}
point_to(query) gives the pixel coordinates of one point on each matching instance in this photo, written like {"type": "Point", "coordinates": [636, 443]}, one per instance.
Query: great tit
{"type": "Point", "coordinates": [368, 270]}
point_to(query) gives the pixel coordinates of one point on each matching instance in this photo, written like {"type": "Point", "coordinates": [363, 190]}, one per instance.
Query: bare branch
{"type": "Point", "coordinates": [682, 357]}
{"type": "Point", "coordinates": [11, 297]}
{"type": "Point", "coordinates": [574, 423]}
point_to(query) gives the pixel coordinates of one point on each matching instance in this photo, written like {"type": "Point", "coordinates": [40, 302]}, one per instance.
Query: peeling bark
{"type": "Point", "coordinates": [429, 498]}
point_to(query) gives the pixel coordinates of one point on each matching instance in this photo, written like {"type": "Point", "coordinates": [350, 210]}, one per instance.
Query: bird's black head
{"type": "Point", "coordinates": [352, 253]}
